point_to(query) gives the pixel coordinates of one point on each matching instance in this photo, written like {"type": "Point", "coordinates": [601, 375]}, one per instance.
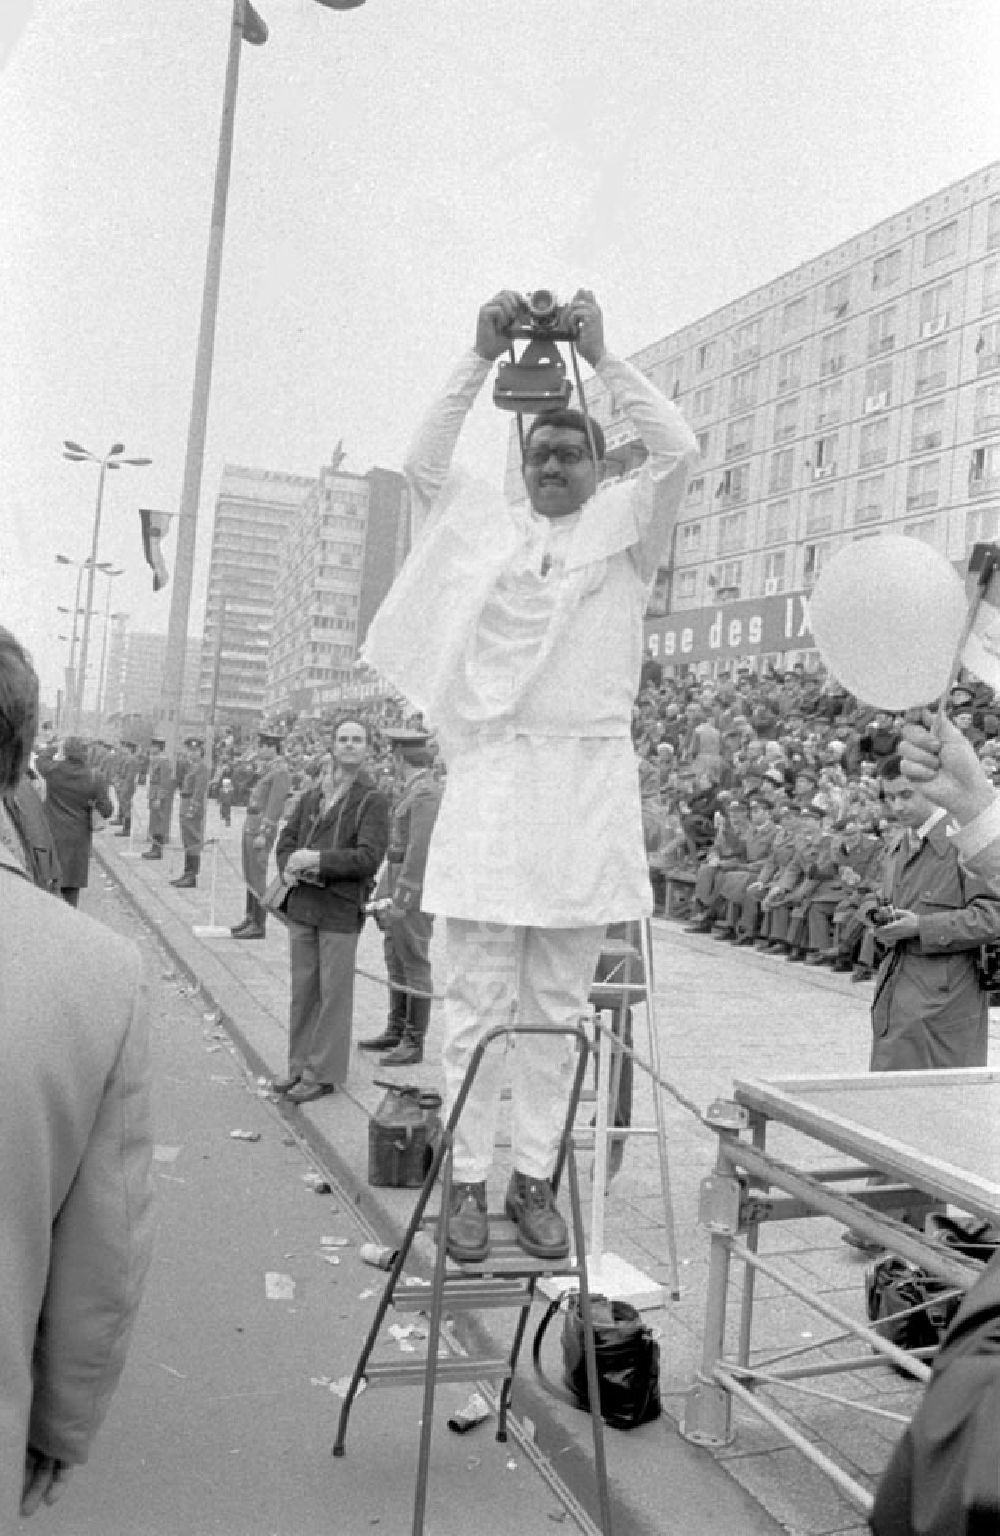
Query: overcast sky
{"type": "Point", "coordinates": [393, 166]}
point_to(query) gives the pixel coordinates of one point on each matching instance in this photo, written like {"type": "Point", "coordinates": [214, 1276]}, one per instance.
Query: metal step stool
{"type": "Point", "coordinates": [507, 1278]}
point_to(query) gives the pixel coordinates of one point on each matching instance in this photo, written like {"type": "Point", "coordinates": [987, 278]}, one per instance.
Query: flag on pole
{"type": "Point", "coordinates": [154, 531]}
{"type": "Point", "coordinates": [981, 652]}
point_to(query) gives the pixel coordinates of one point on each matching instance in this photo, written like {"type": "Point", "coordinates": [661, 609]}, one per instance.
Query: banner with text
{"type": "Point", "coordinates": [725, 631]}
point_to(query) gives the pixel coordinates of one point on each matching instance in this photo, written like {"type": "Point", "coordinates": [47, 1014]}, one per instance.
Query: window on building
{"type": "Point", "coordinates": [986, 412]}
{"type": "Point", "coordinates": [794, 315]}
{"type": "Point", "coordinates": [870, 504]}
{"type": "Point", "coordinates": [931, 368]}
{"type": "Point", "coordinates": [982, 526]}
{"type": "Point", "coordinates": [732, 532]}
{"type": "Point", "coordinates": [923, 482]}
{"type": "Point", "coordinates": [690, 538]}
{"type": "Point", "coordinates": [940, 243]}
{"type": "Point", "coordinates": [687, 585]}
{"type": "Point", "coordinates": [773, 572]}
{"type": "Point", "coordinates": [746, 342]}
{"type": "Point", "coordinates": [701, 404]}
{"type": "Point", "coordinates": [777, 521]}
{"type": "Point", "coordinates": [704, 357]}
{"type": "Point", "coordinates": [785, 419]}
{"type": "Point", "coordinates": [829, 404]}
{"type": "Point", "coordinates": [928, 426]}
{"type": "Point", "coordinates": [824, 456]}
{"type": "Point", "coordinates": [991, 286]}
{"type": "Point", "coordinates": [729, 580]}
{"type": "Point", "coordinates": [735, 484]}
{"type": "Point", "coordinates": [781, 471]}
{"type": "Point", "coordinates": [739, 434]}
{"type": "Point", "coordinates": [934, 314]}
{"type": "Point", "coordinates": [789, 370]}
{"type": "Point", "coordinates": [878, 388]}
{"type": "Point", "coordinates": [993, 224]}
{"type": "Point", "coordinates": [814, 557]}
{"type": "Point", "coordinates": [984, 470]}
{"type": "Point", "coordinates": [821, 513]}
{"type": "Point", "coordinates": [887, 270]}
{"type": "Point", "coordinates": [701, 438]}
{"type": "Point", "coordinates": [695, 490]}
{"type": "Point", "coordinates": [924, 528]}
{"type": "Point", "coordinates": [837, 295]}
{"type": "Point", "coordinates": [743, 387]}
{"type": "Point", "coordinates": [882, 330]}
{"type": "Point", "coordinates": [988, 348]}
{"type": "Point", "coordinates": [874, 443]}
{"type": "Point", "coordinates": [833, 352]}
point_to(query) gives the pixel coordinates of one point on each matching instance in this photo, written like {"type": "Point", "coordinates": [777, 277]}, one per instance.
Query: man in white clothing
{"type": "Point", "coordinates": [518, 632]}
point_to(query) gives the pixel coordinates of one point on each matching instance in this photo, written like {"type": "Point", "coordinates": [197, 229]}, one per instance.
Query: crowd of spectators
{"type": "Point", "coordinates": [763, 806]}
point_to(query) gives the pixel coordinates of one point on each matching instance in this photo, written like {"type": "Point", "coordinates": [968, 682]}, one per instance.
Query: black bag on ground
{"type": "Point", "coordinates": [403, 1134]}
{"type": "Point", "coordinates": [628, 1361]}
{"type": "Point", "coordinates": [895, 1287]}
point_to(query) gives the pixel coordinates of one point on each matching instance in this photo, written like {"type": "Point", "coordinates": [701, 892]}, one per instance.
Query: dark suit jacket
{"type": "Point", "coordinates": [352, 839]}
{"type": "Point", "coordinates": [70, 790]}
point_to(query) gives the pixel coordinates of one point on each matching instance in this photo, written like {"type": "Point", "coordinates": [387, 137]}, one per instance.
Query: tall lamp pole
{"type": "Point", "coordinates": [112, 460]}
{"type": "Point", "coordinates": [247, 26]}
{"type": "Point", "coordinates": [104, 649]}
{"type": "Point", "coordinates": [70, 680]}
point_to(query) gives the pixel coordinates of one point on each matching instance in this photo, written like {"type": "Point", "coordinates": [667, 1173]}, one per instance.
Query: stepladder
{"type": "Point", "coordinates": [625, 982]}
{"type": "Point", "coordinates": [507, 1279]}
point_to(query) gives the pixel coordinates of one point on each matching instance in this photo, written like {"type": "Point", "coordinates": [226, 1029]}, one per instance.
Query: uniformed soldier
{"type": "Point", "coordinates": [194, 792]}
{"type": "Point", "coordinates": [265, 809]}
{"type": "Point", "coordinates": [407, 929]}
{"type": "Point", "coordinates": [128, 773]}
{"type": "Point", "coordinates": [162, 783]}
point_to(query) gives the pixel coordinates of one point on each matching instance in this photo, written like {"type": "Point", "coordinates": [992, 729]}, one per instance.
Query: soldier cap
{"type": "Point", "coordinates": [158, 741]}
{"type": "Point", "coordinates": [397, 737]}
{"type": "Point", "coordinates": [270, 739]}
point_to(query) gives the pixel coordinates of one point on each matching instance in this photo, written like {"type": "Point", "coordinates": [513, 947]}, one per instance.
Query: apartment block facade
{"type": "Point", "coordinates": [255, 511]}
{"type": "Point", "coordinates": [858, 394]}
{"type": "Point", "coordinates": [339, 560]}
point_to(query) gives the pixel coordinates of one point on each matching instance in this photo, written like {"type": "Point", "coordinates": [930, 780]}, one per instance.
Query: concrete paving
{"type": "Point", "coordinates": [721, 1014]}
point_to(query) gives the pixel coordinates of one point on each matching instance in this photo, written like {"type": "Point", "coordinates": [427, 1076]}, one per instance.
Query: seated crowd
{"type": "Point", "coordinates": [763, 805]}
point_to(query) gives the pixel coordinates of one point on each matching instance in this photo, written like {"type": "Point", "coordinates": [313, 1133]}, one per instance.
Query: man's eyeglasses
{"type": "Point", "coordinates": [567, 454]}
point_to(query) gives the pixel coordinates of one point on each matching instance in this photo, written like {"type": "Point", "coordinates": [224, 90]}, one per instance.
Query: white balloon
{"type": "Point", "coordinates": [887, 616]}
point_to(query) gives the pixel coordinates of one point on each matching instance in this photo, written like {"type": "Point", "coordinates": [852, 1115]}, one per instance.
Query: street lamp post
{"type": "Point", "coordinates": [110, 574]}
{"type": "Point", "coordinates": [112, 460]}
{"type": "Point", "coordinates": [70, 679]}
{"type": "Point", "coordinates": [247, 26]}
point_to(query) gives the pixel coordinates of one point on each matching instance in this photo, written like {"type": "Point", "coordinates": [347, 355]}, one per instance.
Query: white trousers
{"type": "Point", "coordinates": [499, 975]}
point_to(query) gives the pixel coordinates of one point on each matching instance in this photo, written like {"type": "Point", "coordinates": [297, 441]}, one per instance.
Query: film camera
{"type": "Point", "coordinates": [542, 315]}
{"type": "Point", "coordinates": [536, 381]}
{"type": "Point", "coordinates": [884, 914]}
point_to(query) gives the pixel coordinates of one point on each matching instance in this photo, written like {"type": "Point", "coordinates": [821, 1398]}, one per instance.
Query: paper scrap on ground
{"type": "Point", "coordinates": [278, 1287]}
{"type": "Point", "coordinates": [163, 1154]}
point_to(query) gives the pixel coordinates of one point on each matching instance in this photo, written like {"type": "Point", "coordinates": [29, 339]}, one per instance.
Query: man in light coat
{"type": "Point", "coordinates": [75, 1156]}
{"type": "Point", "coordinates": [517, 632]}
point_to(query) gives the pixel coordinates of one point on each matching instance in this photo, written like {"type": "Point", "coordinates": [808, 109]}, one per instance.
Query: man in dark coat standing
{"type": "Point", "coordinates": [329, 852]}
{"type": "Point", "coordinates": [407, 928]}
{"type": "Point", "coordinates": [929, 1011]}
{"type": "Point", "coordinates": [194, 792]}
{"type": "Point", "coordinates": [127, 775]}
{"type": "Point", "coordinates": [162, 784]}
{"type": "Point", "coordinates": [265, 809]}
{"type": "Point", "coordinates": [73, 791]}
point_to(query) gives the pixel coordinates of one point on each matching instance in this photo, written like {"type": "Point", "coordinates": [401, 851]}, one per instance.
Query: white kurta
{"type": "Point", "coordinates": [528, 679]}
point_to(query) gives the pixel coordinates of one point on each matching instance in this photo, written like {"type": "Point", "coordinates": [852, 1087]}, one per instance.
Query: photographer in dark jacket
{"type": "Point", "coordinates": [328, 854]}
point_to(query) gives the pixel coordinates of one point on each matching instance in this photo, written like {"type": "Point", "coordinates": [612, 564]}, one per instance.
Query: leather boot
{"type": "Point", "coordinates": [410, 1049]}
{"type": "Point", "coordinates": [531, 1205]}
{"type": "Point", "coordinates": [247, 920]}
{"type": "Point", "coordinates": [468, 1230]}
{"type": "Point", "coordinates": [395, 1024]}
